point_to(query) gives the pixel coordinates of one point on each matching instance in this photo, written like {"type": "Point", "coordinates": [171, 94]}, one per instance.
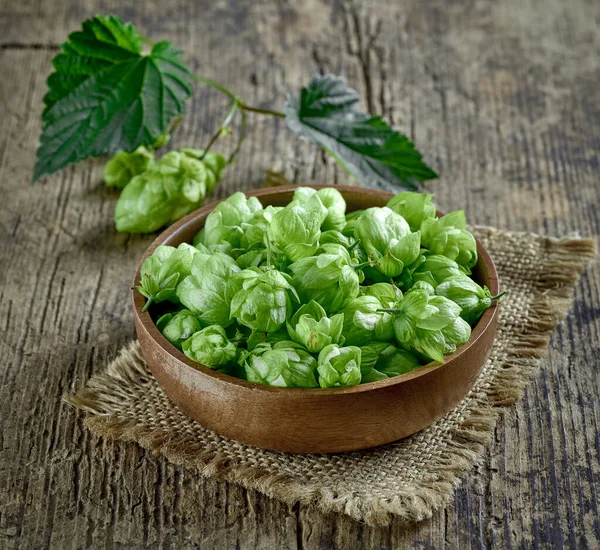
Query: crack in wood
{"type": "Point", "coordinates": [365, 45]}
{"type": "Point", "coordinates": [31, 46]}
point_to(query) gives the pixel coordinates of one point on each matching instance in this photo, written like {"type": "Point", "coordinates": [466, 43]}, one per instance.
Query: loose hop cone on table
{"type": "Point", "coordinates": [314, 420]}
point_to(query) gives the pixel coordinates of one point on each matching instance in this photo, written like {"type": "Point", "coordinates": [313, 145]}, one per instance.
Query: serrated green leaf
{"type": "Point", "coordinates": [106, 96]}
{"type": "Point", "coordinates": [328, 114]}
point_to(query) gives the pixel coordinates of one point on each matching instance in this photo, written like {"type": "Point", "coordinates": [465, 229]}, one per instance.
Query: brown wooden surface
{"type": "Point", "coordinates": [503, 99]}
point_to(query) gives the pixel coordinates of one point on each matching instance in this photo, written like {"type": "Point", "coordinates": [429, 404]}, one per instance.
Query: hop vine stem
{"type": "Point", "coordinates": [223, 128]}
{"type": "Point", "coordinates": [148, 304]}
{"type": "Point", "coordinates": [269, 112]}
{"type": "Point", "coordinates": [353, 245]}
{"type": "Point", "coordinates": [243, 132]}
{"type": "Point", "coordinates": [236, 103]}
{"type": "Point", "coordinates": [363, 264]}
{"type": "Point", "coordinates": [242, 105]}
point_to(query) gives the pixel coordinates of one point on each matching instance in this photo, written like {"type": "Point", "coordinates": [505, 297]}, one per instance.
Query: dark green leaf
{"type": "Point", "coordinates": [328, 114]}
{"type": "Point", "coordinates": [106, 96]}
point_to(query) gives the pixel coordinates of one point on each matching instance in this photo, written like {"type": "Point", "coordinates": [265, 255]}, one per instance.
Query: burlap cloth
{"type": "Point", "coordinates": [408, 479]}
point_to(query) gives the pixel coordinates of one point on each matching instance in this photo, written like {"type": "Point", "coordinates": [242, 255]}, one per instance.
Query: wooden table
{"type": "Point", "coordinates": [503, 99]}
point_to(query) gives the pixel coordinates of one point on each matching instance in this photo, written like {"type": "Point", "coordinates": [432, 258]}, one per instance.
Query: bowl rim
{"type": "Point", "coordinates": [148, 324]}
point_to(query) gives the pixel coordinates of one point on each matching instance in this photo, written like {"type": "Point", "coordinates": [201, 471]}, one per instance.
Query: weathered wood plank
{"type": "Point", "coordinates": [503, 100]}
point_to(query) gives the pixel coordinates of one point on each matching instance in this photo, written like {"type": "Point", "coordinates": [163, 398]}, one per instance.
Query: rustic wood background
{"type": "Point", "coordinates": [503, 99]}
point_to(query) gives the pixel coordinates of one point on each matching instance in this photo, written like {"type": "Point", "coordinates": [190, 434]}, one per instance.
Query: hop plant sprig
{"type": "Point", "coordinates": [109, 96]}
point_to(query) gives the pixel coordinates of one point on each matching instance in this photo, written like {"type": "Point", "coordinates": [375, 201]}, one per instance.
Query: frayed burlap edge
{"type": "Point", "coordinates": [565, 260]}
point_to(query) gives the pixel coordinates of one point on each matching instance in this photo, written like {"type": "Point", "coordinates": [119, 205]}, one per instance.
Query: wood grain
{"type": "Point", "coordinates": [502, 98]}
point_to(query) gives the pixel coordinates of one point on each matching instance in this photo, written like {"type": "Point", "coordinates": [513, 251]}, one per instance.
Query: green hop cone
{"type": "Point", "coordinates": [172, 187]}
{"type": "Point", "coordinates": [422, 285]}
{"type": "Point", "coordinates": [327, 278]}
{"type": "Point", "coordinates": [387, 239]}
{"type": "Point", "coordinates": [448, 236]}
{"type": "Point", "coordinates": [162, 140]}
{"type": "Point", "coordinates": [214, 164]}
{"type": "Point", "coordinates": [363, 322]}
{"type": "Point", "coordinates": [406, 280]}
{"type": "Point", "coordinates": [413, 207]}
{"type": "Point", "coordinates": [351, 221]}
{"type": "Point", "coordinates": [162, 272]}
{"type": "Point", "coordinates": [253, 258]}
{"type": "Point", "coordinates": [284, 364]}
{"type": "Point", "coordinates": [358, 254]}
{"type": "Point", "coordinates": [435, 269]}
{"type": "Point", "coordinates": [253, 231]}
{"type": "Point", "coordinates": [311, 327]}
{"type": "Point", "coordinates": [295, 229]}
{"type": "Point", "coordinates": [221, 246]}
{"type": "Point", "coordinates": [472, 298]}
{"type": "Point", "coordinates": [335, 237]}
{"type": "Point", "coordinates": [420, 321]}
{"type": "Point", "coordinates": [212, 161]}
{"type": "Point", "coordinates": [202, 249]}
{"type": "Point", "coordinates": [209, 289]}
{"type": "Point", "coordinates": [339, 366]}
{"type": "Point", "coordinates": [178, 327]}
{"type": "Point", "coordinates": [387, 294]}
{"type": "Point", "coordinates": [382, 360]}
{"type": "Point", "coordinates": [332, 200]}
{"type": "Point", "coordinates": [456, 334]}
{"type": "Point", "coordinates": [123, 166]}
{"type": "Point", "coordinates": [210, 347]}
{"type": "Point", "coordinates": [223, 227]}
{"type": "Point", "coordinates": [264, 299]}
{"type": "Point", "coordinates": [258, 338]}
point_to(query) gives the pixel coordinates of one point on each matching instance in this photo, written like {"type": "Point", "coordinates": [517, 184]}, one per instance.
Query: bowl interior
{"type": "Point", "coordinates": [356, 198]}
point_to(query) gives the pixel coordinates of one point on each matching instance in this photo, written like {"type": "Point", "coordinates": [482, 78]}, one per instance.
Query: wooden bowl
{"type": "Point", "coordinates": [313, 420]}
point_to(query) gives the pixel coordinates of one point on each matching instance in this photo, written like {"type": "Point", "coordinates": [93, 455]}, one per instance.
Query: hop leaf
{"type": "Point", "coordinates": [105, 95]}
{"type": "Point", "coordinates": [328, 114]}
{"type": "Point", "coordinates": [351, 221]}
